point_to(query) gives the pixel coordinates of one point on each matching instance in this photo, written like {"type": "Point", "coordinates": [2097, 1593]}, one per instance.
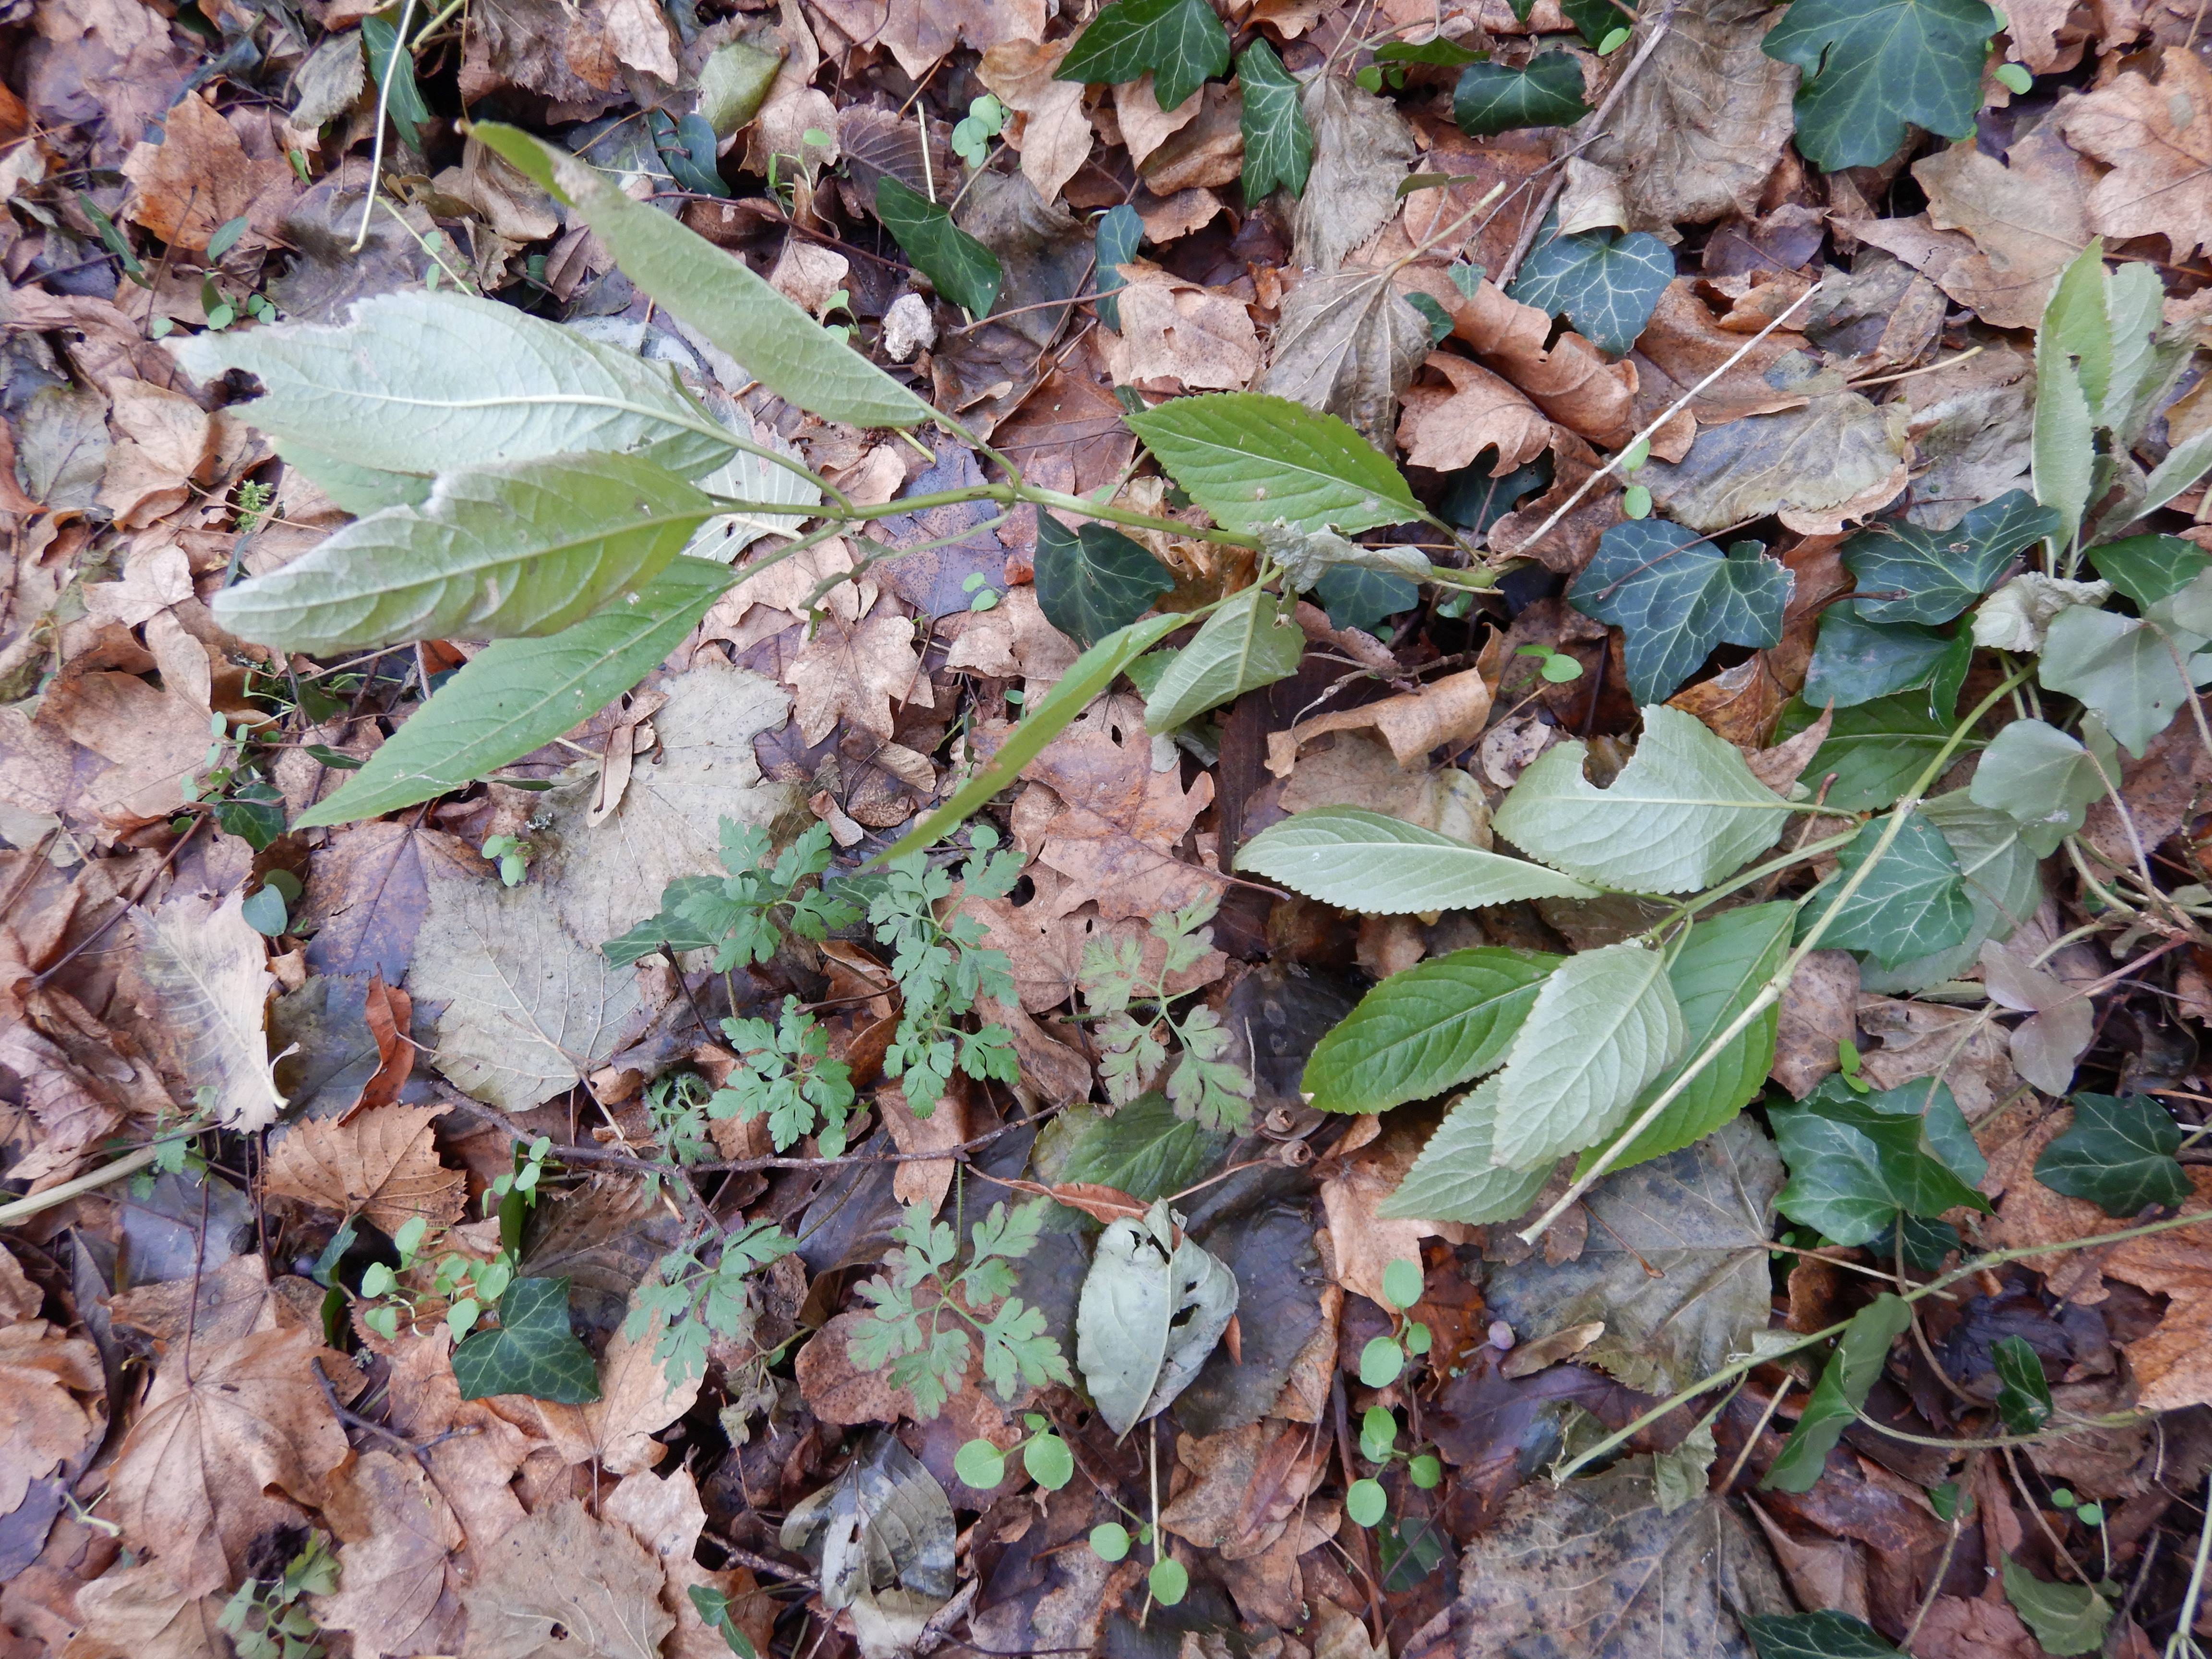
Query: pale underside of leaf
{"type": "Point", "coordinates": [1605, 1025]}
{"type": "Point", "coordinates": [1361, 860]}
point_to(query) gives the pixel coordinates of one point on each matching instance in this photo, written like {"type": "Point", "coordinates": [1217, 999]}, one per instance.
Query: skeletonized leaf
{"type": "Point", "coordinates": [1250, 459]}
{"type": "Point", "coordinates": [1422, 1031]}
{"type": "Point", "coordinates": [515, 695]}
{"type": "Point", "coordinates": [1491, 98]}
{"type": "Point", "coordinates": [965, 270]}
{"type": "Point", "coordinates": [1094, 580]}
{"type": "Point", "coordinates": [1674, 595]}
{"type": "Point", "coordinates": [1454, 1178]}
{"type": "Point", "coordinates": [207, 970]}
{"type": "Point", "coordinates": [1150, 1312]}
{"type": "Point", "coordinates": [1181, 42]}
{"type": "Point", "coordinates": [1683, 814]}
{"type": "Point", "coordinates": [524, 550]}
{"type": "Point", "coordinates": [1605, 283]}
{"type": "Point", "coordinates": [1278, 144]}
{"type": "Point", "coordinates": [1250, 642]}
{"type": "Point", "coordinates": [1384, 866]}
{"type": "Point", "coordinates": [1604, 1024]}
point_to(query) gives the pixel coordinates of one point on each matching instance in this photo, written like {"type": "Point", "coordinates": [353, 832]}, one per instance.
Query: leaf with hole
{"type": "Point", "coordinates": [1874, 68]}
{"type": "Point", "coordinates": [1151, 1311]}
{"type": "Point", "coordinates": [1908, 573]}
{"type": "Point", "coordinates": [1252, 640]}
{"type": "Point", "coordinates": [1380, 865]}
{"type": "Point", "coordinates": [1490, 99]}
{"type": "Point", "coordinates": [2117, 1154]}
{"type": "Point", "coordinates": [1251, 460]}
{"type": "Point", "coordinates": [1425, 1029]}
{"type": "Point", "coordinates": [1844, 1384]}
{"type": "Point", "coordinates": [1674, 595]}
{"type": "Point", "coordinates": [1605, 1024]}
{"type": "Point", "coordinates": [965, 270]}
{"type": "Point", "coordinates": [1181, 42]}
{"type": "Point", "coordinates": [1913, 900]}
{"type": "Point", "coordinates": [1278, 141]}
{"type": "Point", "coordinates": [1094, 580]}
{"type": "Point", "coordinates": [1605, 283]}
{"type": "Point", "coordinates": [533, 1351]}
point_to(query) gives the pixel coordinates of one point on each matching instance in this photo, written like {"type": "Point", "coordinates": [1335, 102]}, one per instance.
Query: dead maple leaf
{"type": "Point", "coordinates": [853, 671]}
{"type": "Point", "coordinates": [199, 177]}
{"type": "Point", "coordinates": [1176, 335]}
{"type": "Point", "coordinates": [562, 1583]}
{"type": "Point", "coordinates": [382, 1166]}
{"type": "Point", "coordinates": [165, 444]}
{"type": "Point", "coordinates": [235, 1300]}
{"type": "Point", "coordinates": [1053, 135]}
{"type": "Point", "coordinates": [195, 1481]}
{"type": "Point", "coordinates": [207, 970]}
{"type": "Point", "coordinates": [666, 1516]}
{"type": "Point", "coordinates": [400, 1578]}
{"type": "Point", "coordinates": [2161, 155]}
{"type": "Point", "coordinates": [42, 1425]}
{"type": "Point", "coordinates": [471, 1470]}
{"type": "Point", "coordinates": [1445, 426]}
{"type": "Point", "coordinates": [138, 1613]}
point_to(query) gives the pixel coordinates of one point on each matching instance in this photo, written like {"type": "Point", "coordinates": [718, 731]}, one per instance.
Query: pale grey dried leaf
{"type": "Point", "coordinates": [1347, 346]}
{"type": "Point", "coordinates": [1361, 147]}
{"type": "Point", "coordinates": [209, 973]}
{"type": "Point", "coordinates": [326, 85]}
{"type": "Point", "coordinates": [1837, 459]}
{"type": "Point", "coordinates": [884, 1523]}
{"type": "Point", "coordinates": [1151, 1311]}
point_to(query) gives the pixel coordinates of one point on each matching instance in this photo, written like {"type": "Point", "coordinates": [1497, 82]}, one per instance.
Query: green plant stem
{"type": "Point", "coordinates": [24, 1208]}
{"type": "Point", "coordinates": [383, 117]}
{"type": "Point", "coordinates": [1758, 872]}
{"type": "Point", "coordinates": [1750, 1362]}
{"type": "Point", "coordinates": [1771, 993]}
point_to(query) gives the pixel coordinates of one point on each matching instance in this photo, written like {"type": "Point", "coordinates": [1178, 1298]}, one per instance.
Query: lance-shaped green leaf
{"type": "Point", "coordinates": [2123, 669]}
{"type": "Point", "coordinates": [404, 99]}
{"type": "Point", "coordinates": [2150, 569]}
{"type": "Point", "coordinates": [1605, 1024]}
{"type": "Point", "coordinates": [1491, 98]}
{"type": "Point", "coordinates": [1092, 581]}
{"type": "Point", "coordinates": [2042, 779]}
{"type": "Point", "coordinates": [1844, 1384]}
{"type": "Point", "coordinates": [516, 695]}
{"type": "Point", "coordinates": [1856, 661]}
{"type": "Point", "coordinates": [1913, 900]}
{"type": "Point", "coordinates": [1454, 1179]}
{"type": "Point", "coordinates": [1719, 968]}
{"type": "Point", "coordinates": [1181, 42]}
{"type": "Point", "coordinates": [965, 270]}
{"type": "Point", "coordinates": [421, 384]}
{"type": "Point", "coordinates": [1361, 860]}
{"type": "Point", "coordinates": [1424, 1029]}
{"type": "Point", "coordinates": [1683, 814]}
{"type": "Point", "coordinates": [1823, 1635]}
{"type": "Point", "coordinates": [533, 1353]}
{"type": "Point", "coordinates": [1250, 459]}
{"type": "Point", "coordinates": [1674, 595]}
{"type": "Point", "coordinates": [1605, 283]}
{"type": "Point", "coordinates": [778, 343]}
{"type": "Point", "coordinates": [1907, 574]}
{"type": "Point", "coordinates": [2067, 1619]}
{"type": "Point", "coordinates": [1872, 69]}
{"type": "Point", "coordinates": [1114, 243]}
{"type": "Point", "coordinates": [1874, 750]}
{"type": "Point", "coordinates": [1152, 1311]}
{"type": "Point", "coordinates": [2073, 366]}
{"type": "Point", "coordinates": [1279, 143]}
{"type": "Point", "coordinates": [2023, 1391]}
{"type": "Point", "coordinates": [523, 550]}
{"type": "Point", "coordinates": [1856, 1161]}
{"type": "Point", "coordinates": [1252, 640]}
{"type": "Point", "coordinates": [2117, 1154]}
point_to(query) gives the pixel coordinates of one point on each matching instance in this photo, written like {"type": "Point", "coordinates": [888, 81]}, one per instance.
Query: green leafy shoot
{"type": "Point", "coordinates": [742, 917]}
{"type": "Point", "coordinates": [925, 1309]}
{"type": "Point", "coordinates": [784, 1074]}
{"type": "Point", "coordinates": [1138, 1026]}
{"type": "Point", "coordinates": [942, 967]}
{"type": "Point", "coordinates": [268, 1619]}
{"type": "Point", "coordinates": [697, 1299]}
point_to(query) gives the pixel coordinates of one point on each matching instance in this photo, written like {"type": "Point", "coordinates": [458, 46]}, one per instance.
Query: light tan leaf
{"type": "Point", "coordinates": [472, 1470]}
{"type": "Point", "coordinates": [1684, 343]}
{"type": "Point", "coordinates": [1347, 344]}
{"type": "Point", "coordinates": [666, 1516]}
{"type": "Point", "coordinates": [138, 1613]}
{"type": "Point", "coordinates": [207, 970]}
{"type": "Point", "coordinates": [1209, 150]}
{"type": "Point", "coordinates": [564, 1586]}
{"type": "Point", "coordinates": [1569, 379]}
{"type": "Point", "coordinates": [1054, 135]}
{"type": "Point", "coordinates": [382, 1165]}
{"type": "Point", "coordinates": [1178, 336]}
{"type": "Point", "coordinates": [156, 740]}
{"type": "Point", "coordinates": [1143, 124]}
{"type": "Point", "coordinates": [1445, 426]}
{"type": "Point", "coordinates": [927, 1182]}
{"type": "Point", "coordinates": [1362, 1244]}
{"type": "Point", "coordinates": [235, 1300]}
{"type": "Point", "coordinates": [1240, 1490]}
{"type": "Point", "coordinates": [1818, 1010]}
{"type": "Point", "coordinates": [2157, 139]}
{"type": "Point", "coordinates": [853, 671]}
{"type": "Point", "coordinates": [1361, 147]}
{"type": "Point", "coordinates": [400, 1583]}
{"type": "Point", "coordinates": [1449, 713]}
{"type": "Point", "coordinates": [195, 1479]}
{"type": "Point", "coordinates": [42, 1425]}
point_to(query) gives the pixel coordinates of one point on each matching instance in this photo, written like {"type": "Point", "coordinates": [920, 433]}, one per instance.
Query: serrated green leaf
{"type": "Point", "coordinates": [2023, 1391]}
{"type": "Point", "coordinates": [2002, 887]}
{"type": "Point", "coordinates": [1181, 42]}
{"type": "Point", "coordinates": [2117, 1154]}
{"type": "Point", "coordinates": [420, 384]}
{"type": "Point", "coordinates": [1674, 595]}
{"type": "Point", "coordinates": [1907, 574]}
{"type": "Point", "coordinates": [1116, 241]}
{"type": "Point", "coordinates": [515, 695]}
{"type": "Point", "coordinates": [1279, 143]}
{"type": "Point", "coordinates": [1092, 581]}
{"type": "Point", "coordinates": [1913, 902]}
{"type": "Point", "coordinates": [1490, 99]}
{"type": "Point", "coordinates": [965, 270]}
{"type": "Point", "coordinates": [1856, 1161]}
{"type": "Point", "coordinates": [1844, 1384]}
{"type": "Point", "coordinates": [1252, 640]}
{"type": "Point", "coordinates": [2121, 668]}
{"type": "Point", "coordinates": [1683, 814]}
{"type": "Point", "coordinates": [524, 550]}
{"type": "Point", "coordinates": [779, 345]}
{"type": "Point", "coordinates": [1874, 749]}
{"type": "Point", "coordinates": [1151, 1311]}
{"type": "Point", "coordinates": [1144, 1149]}
{"type": "Point", "coordinates": [1424, 1029]}
{"type": "Point", "coordinates": [1856, 661]}
{"type": "Point", "coordinates": [2149, 568]}
{"type": "Point", "coordinates": [2067, 1619]}
{"type": "Point", "coordinates": [1814, 1636]}
{"type": "Point", "coordinates": [2042, 779]}
{"type": "Point", "coordinates": [1365, 861]}
{"type": "Point", "coordinates": [1454, 1178]}
{"type": "Point", "coordinates": [1605, 283]}
{"type": "Point", "coordinates": [1872, 69]}
{"type": "Point", "coordinates": [1605, 1024]}
{"type": "Point", "coordinates": [1251, 460]}
{"type": "Point", "coordinates": [533, 1353]}
{"type": "Point", "coordinates": [1719, 968]}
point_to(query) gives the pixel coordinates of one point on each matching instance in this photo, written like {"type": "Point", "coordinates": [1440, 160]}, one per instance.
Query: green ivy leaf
{"type": "Point", "coordinates": [2067, 1619]}
{"type": "Point", "coordinates": [2023, 1391]}
{"type": "Point", "coordinates": [1605, 1024]}
{"type": "Point", "coordinates": [2121, 668]}
{"type": "Point", "coordinates": [965, 270]}
{"type": "Point", "coordinates": [533, 1353]}
{"type": "Point", "coordinates": [1358, 597]}
{"type": "Point", "coordinates": [1181, 42]}
{"type": "Point", "coordinates": [525, 550]}
{"type": "Point", "coordinates": [1594, 20]}
{"type": "Point", "coordinates": [1842, 1388]}
{"type": "Point", "coordinates": [1814, 1636]}
{"type": "Point", "coordinates": [2149, 568]}
{"type": "Point", "coordinates": [1856, 661]}
{"type": "Point", "coordinates": [515, 695]}
{"type": "Point", "coordinates": [1674, 595]}
{"type": "Point", "coordinates": [1683, 814]}
{"type": "Point", "coordinates": [1252, 640]}
{"type": "Point", "coordinates": [1874, 67]}
{"type": "Point", "coordinates": [1251, 460]}
{"type": "Point", "coordinates": [1490, 99]}
{"type": "Point", "coordinates": [1914, 902]}
{"type": "Point", "coordinates": [1907, 574]}
{"type": "Point", "coordinates": [1279, 143]}
{"type": "Point", "coordinates": [2117, 1154]}
{"type": "Point", "coordinates": [1116, 242]}
{"type": "Point", "coordinates": [2002, 887]}
{"type": "Point", "coordinates": [1874, 749]}
{"type": "Point", "coordinates": [1856, 1161]}
{"type": "Point", "coordinates": [1384, 867]}
{"type": "Point", "coordinates": [1454, 1179]}
{"type": "Point", "coordinates": [1605, 283]}
{"type": "Point", "coordinates": [2042, 779]}
{"type": "Point", "coordinates": [1422, 1031]}
{"type": "Point", "coordinates": [1093, 580]}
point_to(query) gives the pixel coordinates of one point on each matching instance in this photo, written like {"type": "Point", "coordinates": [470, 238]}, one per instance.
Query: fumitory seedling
{"type": "Point", "coordinates": [1203, 1083]}
{"type": "Point", "coordinates": [784, 1072]}
{"type": "Point", "coordinates": [741, 916]}
{"type": "Point", "coordinates": [942, 967]}
{"type": "Point", "coordinates": [698, 1301]}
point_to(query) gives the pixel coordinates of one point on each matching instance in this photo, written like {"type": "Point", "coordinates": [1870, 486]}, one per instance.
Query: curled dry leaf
{"type": "Point", "coordinates": [1054, 135]}
{"type": "Point", "coordinates": [382, 1166]}
{"type": "Point", "coordinates": [42, 1425]}
{"type": "Point", "coordinates": [1446, 714]}
{"type": "Point", "coordinates": [1446, 427]}
{"type": "Point", "coordinates": [1684, 343]}
{"type": "Point", "coordinates": [2150, 134]}
{"type": "Point", "coordinates": [1177, 335]}
{"type": "Point", "coordinates": [206, 970]}
{"type": "Point", "coordinates": [1568, 378]}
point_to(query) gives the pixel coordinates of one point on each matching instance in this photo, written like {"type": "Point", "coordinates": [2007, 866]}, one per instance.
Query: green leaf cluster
{"type": "Point", "coordinates": [741, 916]}
{"type": "Point", "coordinates": [1857, 1161]}
{"type": "Point", "coordinates": [942, 966]}
{"type": "Point", "coordinates": [697, 1300]}
{"type": "Point", "coordinates": [783, 1074]}
{"type": "Point", "coordinates": [1137, 1022]}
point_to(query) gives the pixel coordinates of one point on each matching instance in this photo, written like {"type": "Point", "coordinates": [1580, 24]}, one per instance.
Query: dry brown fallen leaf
{"type": "Point", "coordinates": [235, 1300]}
{"type": "Point", "coordinates": [563, 1583]}
{"type": "Point", "coordinates": [382, 1166]}
{"type": "Point", "coordinates": [1445, 426]}
{"type": "Point", "coordinates": [1446, 714]}
{"type": "Point", "coordinates": [638, 1398]}
{"type": "Point", "coordinates": [1053, 135]}
{"type": "Point", "coordinates": [206, 970]}
{"type": "Point", "coordinates": [852, 673]}
{"type": "Point", "coordinates": [2150, 134]}
{"type": "Point", "coordinates": [1818, 1010]}
{"type": "Point", "coordinates": [664, 1513]}
{"type": "Point", "coordinates": [155, 739]}
{"type": "Point", "coordinates": [472, 1470]}
{"type": "Point", "coordinates": [1176, 335]}
{"type": "Point", "coordinates": [1362, 1243]}
{"type": "Point", "coordinates": [42, 1425]}
{"type": "Point", "coordinates": [1836, 460]}
{"type": "Point", "coordinates": [199, 177]}
{"type": "Point", "coordinates": [400, 1580]}
{"type": "Point", "coordinates": [139, 1613]}
{"type": "Point", "coordinates": [1569, 379]}
{"type": "Point", "coordinates": [1685, 342]}
{"type": "Point", "coordinates": [1238, 1491]}
{"type": "Point", "coordinates": [164, 443]}
{"type": "Point", "coordinates": [925, 1181]}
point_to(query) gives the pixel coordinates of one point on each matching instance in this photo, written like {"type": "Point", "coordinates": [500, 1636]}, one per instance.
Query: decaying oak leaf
{"type": "Point", "coordinates": [2156, 139]}
{"type": "Point", "coordinates": [401, 1577]}
{"type": "Point", "coordinates": [853, 671]}
{"type": "Point", "coordinates": [1837, 459]}
{"type": "Point", "coordinates": [1446, 427]}
{"type": "Point", "coordinates": [42, 1425]}
{"type": "Point", "coordinates": [197, 1477]}
{"type": "Point", "coordinates": [207, 970]}
{"type": "Point", "coordinates": [383, 1166]}
{"type": "Point", "coordinates": [563, 1584]}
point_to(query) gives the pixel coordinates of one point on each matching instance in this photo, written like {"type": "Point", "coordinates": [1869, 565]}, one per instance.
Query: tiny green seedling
{"type": "Point", "coordinates": [512, 855]}
{"type": "Point", "coordinates": [1556, 667]}
{"type": "Point", "coordinates": [1045, 1456]}
{"type": "Point", "coordinates": [971, 137]}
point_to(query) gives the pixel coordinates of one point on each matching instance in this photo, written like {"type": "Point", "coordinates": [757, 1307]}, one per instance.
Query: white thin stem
{"type": "Point", "coordinates": [383, 119]}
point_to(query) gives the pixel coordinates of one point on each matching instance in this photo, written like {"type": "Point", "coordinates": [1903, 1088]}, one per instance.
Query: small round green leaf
{"type": "Point", "coordinates": [2090, 1514]}
{"type": "Point", "coordinates": [1380, 1362]}
{"type": "Point", "coordinates": [1109, 1541]}
{"type": "Point", "coordinates": [265, 912]}
{"type": "Point", "coordinates": [1614, 41]}
{"type": "Point", "coordinates": [1560, 669]}
{"type": "Point", "coordinates": [1049, 1461]}
{"type": "Point", "coordinates": [1402, 1284]}
{"type": "Point", "coordinates": [1378, 1433]}
{"type": "Point", "coordinates": [1425, 1471]}
{"type": "Point", "coordinates": [980, 1464]}
{"type": "Point", "coordinates": [1365, 1502]}
{"type": "Point", "coordinates": [1169, 1580]}
{"type": "Point", "coordinates": [2015, 76]}
{"type": "Point", "coordinates": [376, 1280]}
{"type": "Point", "coordinates": [1635, 501]}
{"type": "Point", "coordinates": [1417, 1338]}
